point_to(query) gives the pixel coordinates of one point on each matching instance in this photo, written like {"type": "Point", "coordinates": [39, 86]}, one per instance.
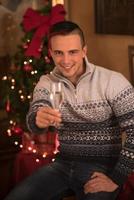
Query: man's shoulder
{"type": "Point", "coordinates": [107, 73]}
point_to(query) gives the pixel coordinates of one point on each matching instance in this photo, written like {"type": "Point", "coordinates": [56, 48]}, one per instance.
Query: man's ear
{"type": "Point", "coordinates": [84, 50]}
{"type": "Point", "coordinates": [50, 52]}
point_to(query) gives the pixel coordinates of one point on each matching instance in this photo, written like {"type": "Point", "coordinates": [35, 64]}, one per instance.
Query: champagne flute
{"type": "Point", "coordinates": [56, 95]}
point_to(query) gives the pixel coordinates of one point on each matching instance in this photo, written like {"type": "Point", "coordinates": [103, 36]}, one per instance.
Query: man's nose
{"type": "Point", "coordinates": [66, 58]}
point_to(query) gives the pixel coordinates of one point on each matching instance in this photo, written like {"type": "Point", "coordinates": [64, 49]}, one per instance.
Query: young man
{"type": "Point", "coordinates": [98, 105]}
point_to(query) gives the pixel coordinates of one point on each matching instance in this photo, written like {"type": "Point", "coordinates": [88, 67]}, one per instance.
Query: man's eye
{"type": "Point", "coordinates": [58, 53]}
{"type": "Point", "coordinates": [73, 52]}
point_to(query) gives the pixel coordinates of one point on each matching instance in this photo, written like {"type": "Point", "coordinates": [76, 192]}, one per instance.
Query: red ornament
{"type": "Point", "coordinates": [16, 130]}
{"type": "Point", "coordinates": [27, 68]}
{"type": "Point", "coordinates": [8, 106]}
{"type": "Point", "coordinates": [25, 46]}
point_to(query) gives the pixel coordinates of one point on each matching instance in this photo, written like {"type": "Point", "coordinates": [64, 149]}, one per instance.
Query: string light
{"type": "Point", "coordinates": [28, 40]}
{"type": "Point", "coordinates": [30, 148]}
{"type": "Point", "coordinates": [13, 80]}
{"type": "Point", "coordinates": [29, 96]}
{"type": "Point", "coordinates": [11, 121]}
{"type": "Point", "coordinates": [20, 91]}
{"type": "Point", "coordinates": [4, 78]}
{"type": "Point", "coordinates": [32, 72]}
{"type": "Point", "coordinates": [34, 150]}
{"type": "Point", "coordinates": [30, 60]}
{"type": "Point", "coordinates": [12, 87]}
{"type": "Point", "coordinates": [22, 97]}
{"type": "Point", "coordinates": [25, 62]}
{"type": "Point", "coordinates": [16, 143]}
{"type": "Point", "coordinates": [9, 132]}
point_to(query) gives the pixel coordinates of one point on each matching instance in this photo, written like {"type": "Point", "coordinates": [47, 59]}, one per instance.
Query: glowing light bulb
{"type": "Point", "coordinates": [9, 132]}
{"type": "Point", "coordinates": [30, 60]}
{"type": "Point", "coordinates": [21, 146]}
{"type": "Point", "coordinates": [12, 87]}
{"type": "Point", "coordinates": [11, 122]}
{"type": "Point", "coordinates": [13, 80]}
{"type": "Point", "coordinates": [25, 62]}
{"type": "Point", "coordinates": [44, 155]}
{"type": "Point", "coordinates": [22, 97]}
{"type": "Point", "coordinates": [16, 143]}
{"type": "Point", "coordinates": [32, 72]}
{"type": "Point", "coordinates": [55, 152]}
{"type": "Point", "coordinates": [29, 148]}
{"type": "Point", "coordinates": [29, 97]}
{"type": "Point", "coordinates": [34, 151]}
{"type": "Point", "coordinates": [4, 78]}
{"type": "Point", "coordinates": [37, 160]}
{"type": "Point", "coordinates": [20, 91]}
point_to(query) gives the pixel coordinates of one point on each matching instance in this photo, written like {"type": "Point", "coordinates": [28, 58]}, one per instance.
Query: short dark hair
{"type": "Point", "coordinates": [66, 28]}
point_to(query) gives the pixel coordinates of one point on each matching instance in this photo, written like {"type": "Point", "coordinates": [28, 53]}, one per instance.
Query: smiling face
{"type": "Point", "coordinates": [68, 53]}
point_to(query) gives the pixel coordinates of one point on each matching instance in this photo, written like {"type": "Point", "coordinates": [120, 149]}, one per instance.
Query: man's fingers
{"type": "Point", "coordinates": [98, 174]}
{"type": "Point", "coordinates": [47, 116]}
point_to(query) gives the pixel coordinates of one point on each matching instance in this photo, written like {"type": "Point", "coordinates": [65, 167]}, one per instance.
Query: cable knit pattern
{"type": "Point", "coordinates": [94, 115]}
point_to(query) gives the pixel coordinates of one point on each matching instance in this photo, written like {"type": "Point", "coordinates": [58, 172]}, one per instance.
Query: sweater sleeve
{"type": "Point", "coordinates": [40, 99]}
{"type": "Point", "coordinates": [121, 97]}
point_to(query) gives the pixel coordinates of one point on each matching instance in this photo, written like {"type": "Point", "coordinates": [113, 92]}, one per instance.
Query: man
{"type": "Point", "coordinates": [98, 105]}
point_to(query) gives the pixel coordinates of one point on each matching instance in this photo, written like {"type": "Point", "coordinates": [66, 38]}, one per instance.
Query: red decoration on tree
{"type": "Point", "coordinates": [27, 68]}
{"type": "Point", "coordinates": [34, 20]}
{"type": "Point", "coordinates": [25, 46]}
{"type": "Point", "coordinates": [16, 130]}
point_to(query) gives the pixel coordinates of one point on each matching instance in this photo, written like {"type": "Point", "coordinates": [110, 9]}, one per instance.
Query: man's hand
{"type": "Point", "coordinates": [99, 182]}
{"type": "Point", "coordinates": [47, 116]}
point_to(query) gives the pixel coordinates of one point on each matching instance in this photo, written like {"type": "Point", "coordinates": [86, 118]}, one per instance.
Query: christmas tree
{"type": "Point", "coordinates": [30, 62]}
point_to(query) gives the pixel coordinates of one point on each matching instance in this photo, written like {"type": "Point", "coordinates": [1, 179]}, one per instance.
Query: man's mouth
{"type": "Point", "coordinates": [67, 66]}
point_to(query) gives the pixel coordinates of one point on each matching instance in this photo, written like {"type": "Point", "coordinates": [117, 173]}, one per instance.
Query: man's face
{"type": "Point", "coordinates": [68, 53]}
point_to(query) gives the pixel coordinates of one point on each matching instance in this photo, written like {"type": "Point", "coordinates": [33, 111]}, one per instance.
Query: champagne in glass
{"type": "Point", "coordinates": [56, 96]}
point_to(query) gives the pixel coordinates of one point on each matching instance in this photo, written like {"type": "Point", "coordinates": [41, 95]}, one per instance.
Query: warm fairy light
{"type": "Point", "coordinates": [55, 152]}
{"type": "Point", "coordinates": [29, 97]}
{"type": "Point", "coordinates": [21, 146]}
{"type": "Point", "coordinates": [28, 40]}
{"type": "Point", "coordinates": [9, 132]}
{"type": "Point", "coordinates": [13, 80]}
{"type": "Point", "coordinates": [30, 60]}
{"type": "Point", "coordinates": [34, 150]}
{"type": "Point", "coordinates": [12, 87]}
{"type": "Point", "coordinates": [11, 122]}
{"type": "Point", "coordinates": [37, 160]}
{"type": "Point", "coordinates": [30, 148]}
{"type": "Point", "coordinates": [25, 62]}
{"type": "Point", "coordinates": [4, 78]}
{"type": "Point", "coordinates": [32, 72]}
{"type": "Point", "coordinates": [44, 155]}
{"type": "Point", "coordinates": [22, 97]}
{"type": "Point", "coordinates": [35, 72]}
{"type": "Point", "coordinates": [20, 91]}
{"type": "Point", "coordinates": [53, 160]}
{"type": "Point", "coordinates": [16, 143]}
